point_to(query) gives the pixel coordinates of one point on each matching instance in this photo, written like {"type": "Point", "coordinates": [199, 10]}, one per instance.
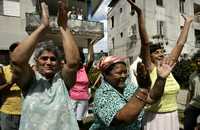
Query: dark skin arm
{"type": "Point", "coordinates": [132, 109]}
{"type": "Point", "coordinates": [165, 67]}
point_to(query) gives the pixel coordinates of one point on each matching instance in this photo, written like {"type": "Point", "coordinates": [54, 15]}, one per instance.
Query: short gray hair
{"type": "Point", "coordinates": [48, 46]}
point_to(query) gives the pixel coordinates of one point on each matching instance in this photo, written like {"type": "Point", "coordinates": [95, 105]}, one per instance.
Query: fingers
{"type": "Point", "coordinates": [132, 2]}
{"type": "Point", "coordinates": [183, 16]}
{"type": "Point", "coordinates": [62, 14]}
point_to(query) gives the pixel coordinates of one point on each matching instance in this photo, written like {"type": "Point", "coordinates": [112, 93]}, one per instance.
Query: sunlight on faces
{"type": "Point", "coordinates": [47, 64]}
{"type": "Point", "coordinates": [157, 56]}
{"type": "Point", "coordinates": [118, 75]}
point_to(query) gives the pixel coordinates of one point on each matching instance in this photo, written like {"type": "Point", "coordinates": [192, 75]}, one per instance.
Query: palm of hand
{"type": "Point", "coordinates": [45, 14]}
{"type": "Point", "coordinates": [164, 70]}
{"type": "Point", "coordinates": [62, 14]}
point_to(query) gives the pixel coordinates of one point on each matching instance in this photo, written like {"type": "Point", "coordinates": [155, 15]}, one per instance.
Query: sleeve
{"type": "Point", "coordinates": [107, 105]}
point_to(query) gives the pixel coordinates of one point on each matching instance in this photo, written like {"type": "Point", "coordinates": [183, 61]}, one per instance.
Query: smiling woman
{"type": "Point", "coordinates": [46, 104]}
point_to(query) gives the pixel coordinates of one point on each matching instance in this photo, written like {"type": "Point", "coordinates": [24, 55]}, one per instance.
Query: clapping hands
{"type": "Point", "coordinates": [45, 13]}
{"type": "Point", "coordinates": [62, 14]}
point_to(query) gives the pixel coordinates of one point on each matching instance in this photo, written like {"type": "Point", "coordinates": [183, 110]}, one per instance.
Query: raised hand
{"type": "Point", "coordinates": [45, 13]}
{"type": "Point", "coordinates": [143, 77]}
{"type": "Point", "coordinates": [132, 3]}
{"type": "Point", "coordinates": [165, 67]}
{"type": "Point", "coordinates": [189, 18]}
{"type": "Point", "coordinates": [62, 14]}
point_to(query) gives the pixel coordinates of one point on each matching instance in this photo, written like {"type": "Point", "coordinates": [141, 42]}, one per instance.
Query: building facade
{"type": "Point", "coordinates": [17, 20]}
{"type": "Point", "coordinates": [163, 23]}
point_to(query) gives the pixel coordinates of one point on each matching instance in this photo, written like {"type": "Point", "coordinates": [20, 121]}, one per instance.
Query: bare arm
{"type": "Point", "coordinates": [71, 51]}
{"type": "Point", "coordinates": [163, 71]}
{"type": "Point", "coordinates": [23, 52]}
{"type": "Point", "coordinates": [132, 109]}
{"type": "Point", "coordinates": [72, 57]}
{"type": "Point", "coordinates": [176, 51]}
{"type": "Point", "coordinates": [144, 52]}
{"type": "Point", "coordinates": [90, 58]}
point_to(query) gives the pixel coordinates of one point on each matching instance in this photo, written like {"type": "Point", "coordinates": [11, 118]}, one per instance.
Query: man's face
{"type": "Point", "coordinates": [47, 64]}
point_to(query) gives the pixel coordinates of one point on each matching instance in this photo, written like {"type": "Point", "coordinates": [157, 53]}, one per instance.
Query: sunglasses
{"type": "Point", "coordinates": [45, 58]}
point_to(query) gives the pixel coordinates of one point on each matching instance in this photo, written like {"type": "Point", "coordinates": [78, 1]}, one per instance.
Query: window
{"type": "Point", "coordinates": [10, 7]}
{"type": "Point", "coordinates": [120, 10]}
{"type": "Point", "coordinates": [159, 2]}
{"type": "Point", "coordinates": [121, 34]}
{"type": "Point", "coordinates": [1, 7]}
{"type": "Point", "coordinates": [113, 42]}
{"type": "Point", "coordinates": [197, 38]}
{"type": "Point", "coordinates": [132, 10]}
{"type": "Point", "coordinates": [181, 6]}
{"type": "Point", "coordinates": [132, 30]}
{"type": "Point", "coordinates": [160, 28]}
{"type": "Point", "coordinates": [196, 8]}
{"type": "Point", "coordinates": [112, 21]}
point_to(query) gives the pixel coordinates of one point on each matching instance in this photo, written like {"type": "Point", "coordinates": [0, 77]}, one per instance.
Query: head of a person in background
{"type": "Point", "coordinates": [114, 70]}
{"type": "Point", "coordinates": [156, 52]}
{"type": "Point", "coordinates": [12, 47]}
{"type": "Point", "coordinates": [82, 56]}
{"type": "Point", "coordinates": [47, 58]}
{"type": "Point", "coordinates": [196, 57]}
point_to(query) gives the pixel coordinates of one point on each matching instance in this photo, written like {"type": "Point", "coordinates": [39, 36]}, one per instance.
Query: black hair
{"type": "Point", "coordinates": [154, 47]}
{"type": "Point", "coordinates": [13, 46]}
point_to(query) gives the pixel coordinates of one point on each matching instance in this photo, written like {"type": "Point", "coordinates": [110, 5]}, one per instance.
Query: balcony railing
{"type": "Point", "coordinates": [82, 30]}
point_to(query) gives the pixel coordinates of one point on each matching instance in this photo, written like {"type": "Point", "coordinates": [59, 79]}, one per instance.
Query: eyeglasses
{"type": "Point", "coordinates": [45, 58]}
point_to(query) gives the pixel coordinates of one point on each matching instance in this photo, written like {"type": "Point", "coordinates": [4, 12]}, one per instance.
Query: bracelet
{"type": "Point", "coordinates": [144, 91]}
{"type": "Point", "coordinates": [140, 98]}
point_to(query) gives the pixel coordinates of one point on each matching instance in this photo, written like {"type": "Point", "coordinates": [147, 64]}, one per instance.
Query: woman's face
{"type": "Point", "coordinates": [157, 56]}
{"type": "Point", "coordinates": [117, 75]}
{"type": "Point", "coordinates": [47, 64]}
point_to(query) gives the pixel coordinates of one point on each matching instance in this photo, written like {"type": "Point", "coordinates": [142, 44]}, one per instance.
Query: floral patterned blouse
{"type": "Point", "coordinates": [108, 101]}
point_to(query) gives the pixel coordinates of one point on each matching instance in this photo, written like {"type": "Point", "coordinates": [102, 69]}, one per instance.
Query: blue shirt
{"type": "Point", "coordinates": [108, 101]}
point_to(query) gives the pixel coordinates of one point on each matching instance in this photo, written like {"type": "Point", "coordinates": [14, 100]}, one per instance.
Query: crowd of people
{"type": "Point", "coordinates": [53, 94]}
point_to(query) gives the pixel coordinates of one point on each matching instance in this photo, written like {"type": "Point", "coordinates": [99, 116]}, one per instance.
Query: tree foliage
{"type": "Point", "coordinates": [182, 71]}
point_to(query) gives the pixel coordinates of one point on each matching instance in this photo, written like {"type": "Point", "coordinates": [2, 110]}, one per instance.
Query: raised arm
{"type": "Point", "coordinates": [163, 71]}
{"type": "Point", "coordinates": [71, 51]}
{"type": "Point", "coordinates": [90, 58]}
{"type": "Point", "coordinates": [144, 52]}
{"type": "Point", "coordinates": [176, 51]}
{"type": "Point", "coordinates": [23, 52]}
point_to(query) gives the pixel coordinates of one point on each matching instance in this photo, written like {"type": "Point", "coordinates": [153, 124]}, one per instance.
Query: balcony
{"type": "Point", "coordinates": [82, 30]}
